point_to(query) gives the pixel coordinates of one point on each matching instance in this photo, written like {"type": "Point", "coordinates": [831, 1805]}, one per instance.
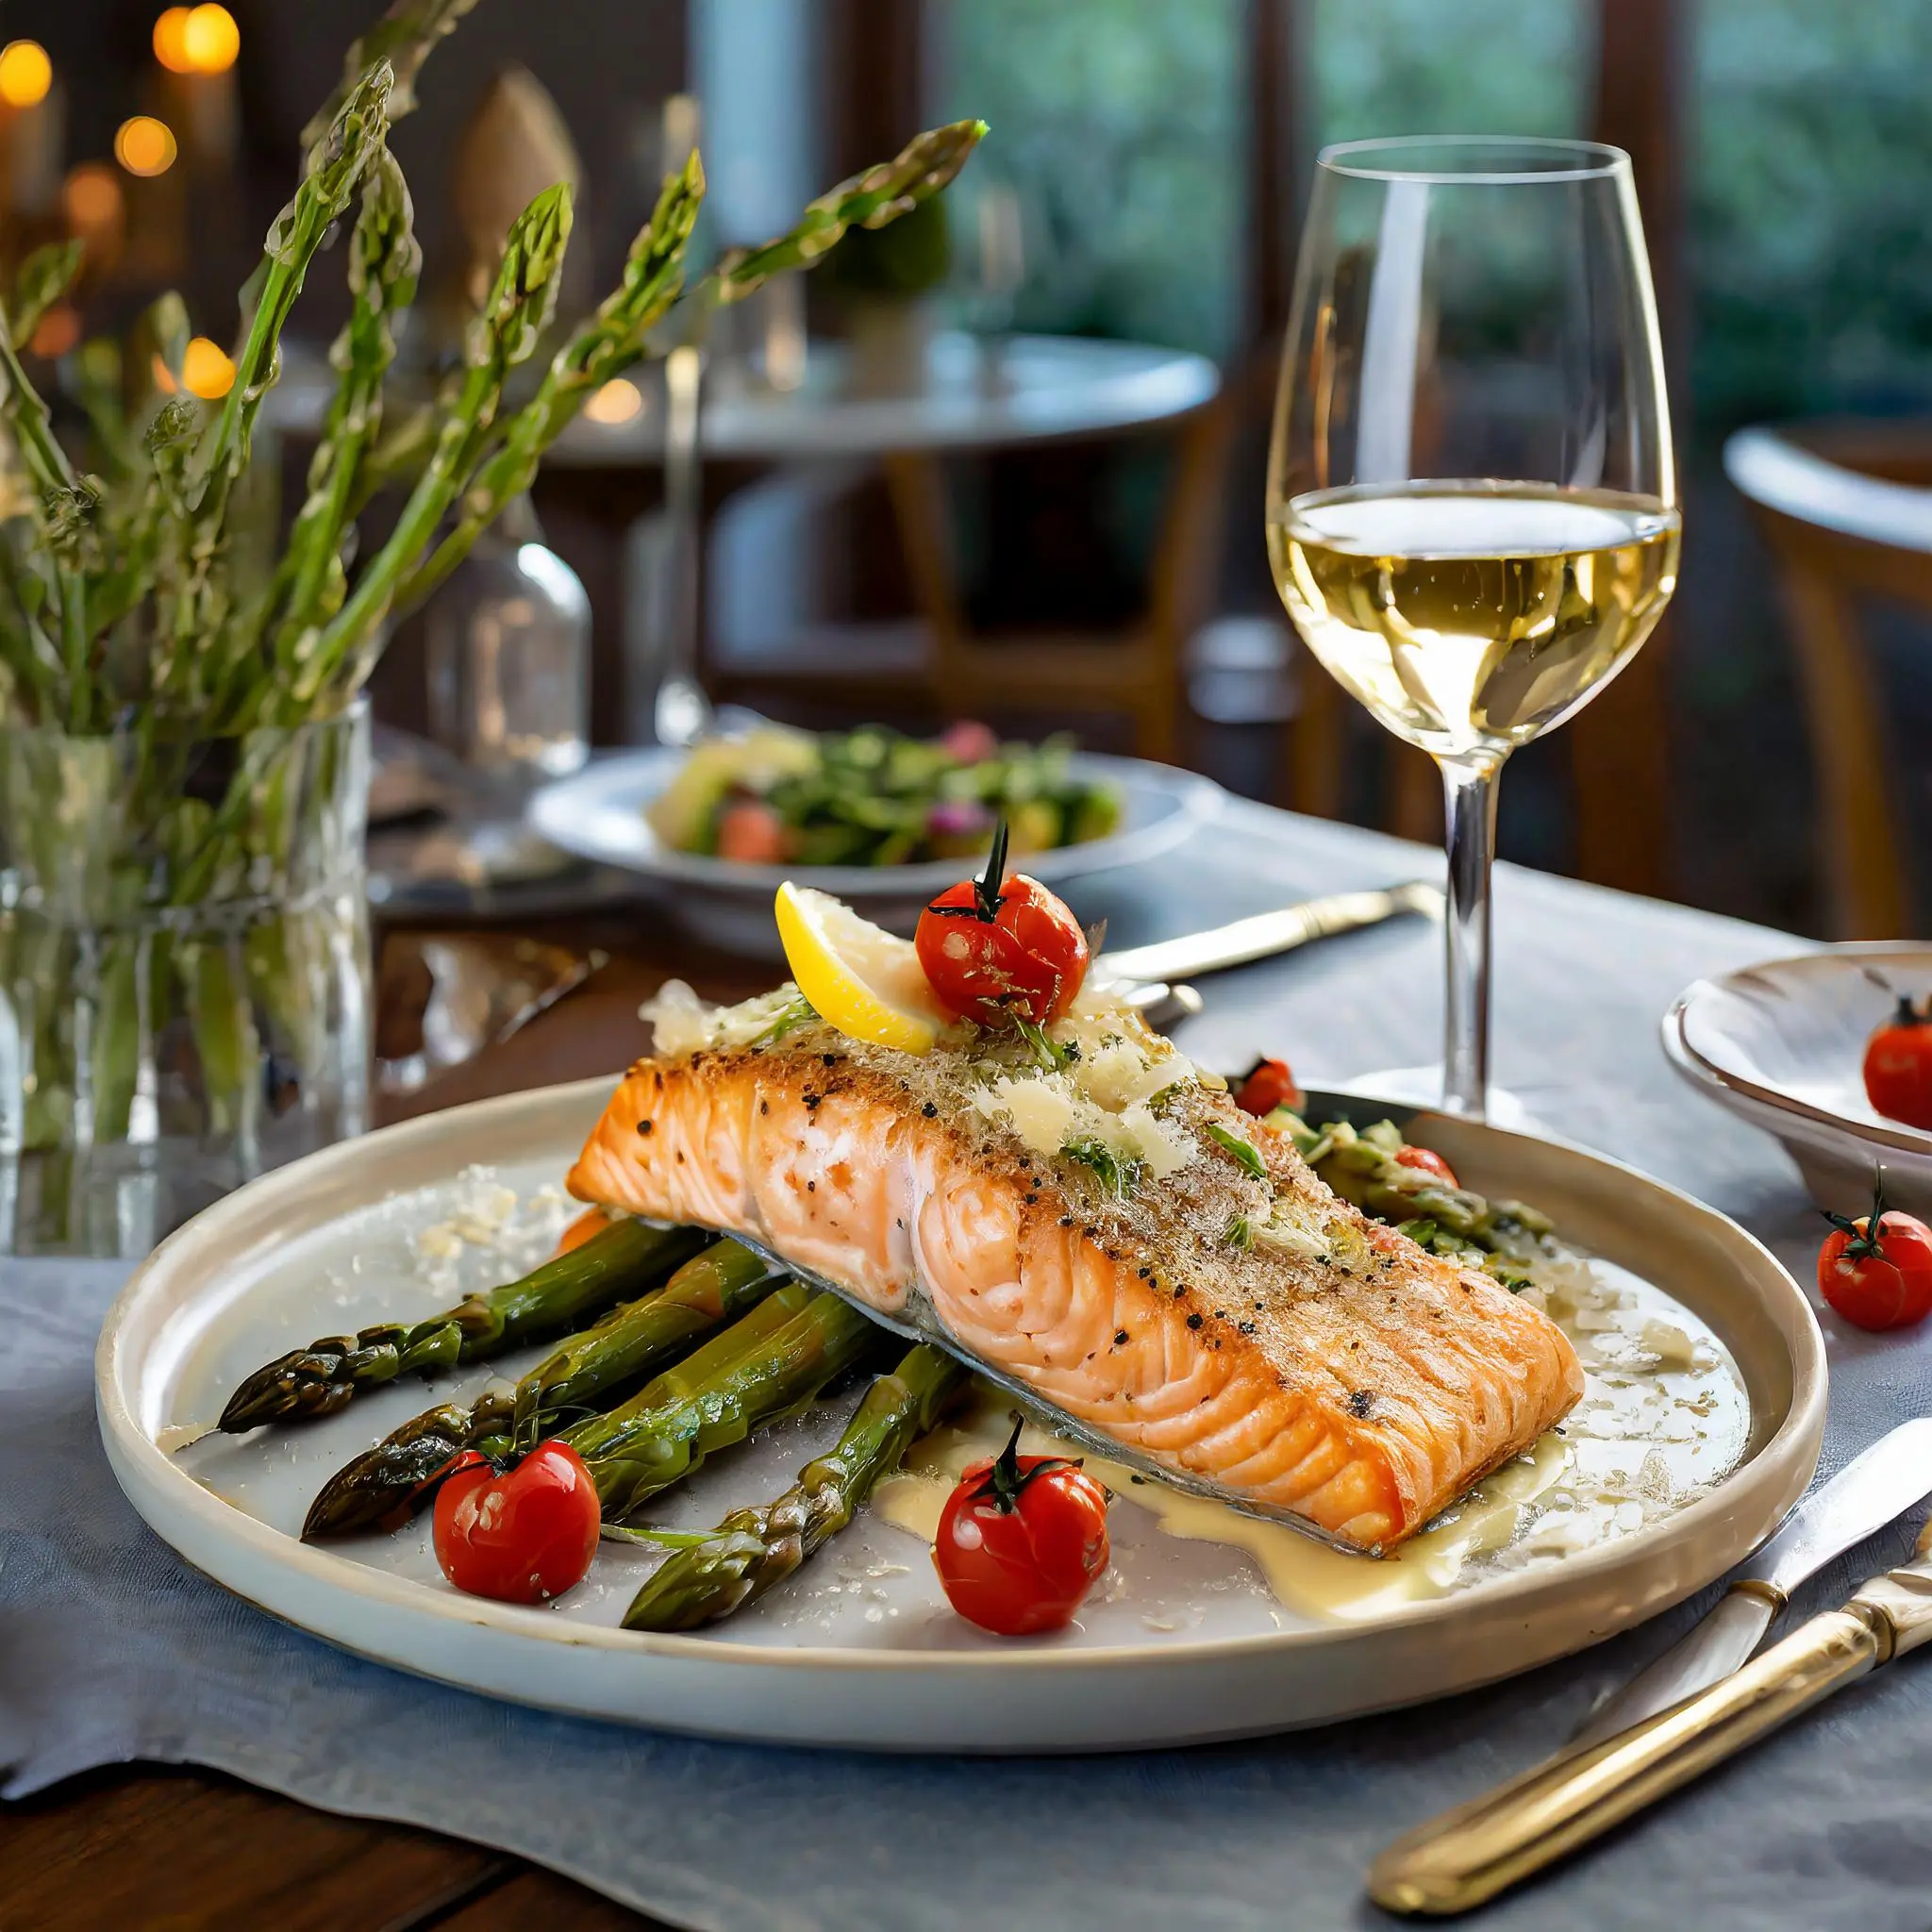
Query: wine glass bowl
{"type": "Point", "coordinates": [1472, 510]}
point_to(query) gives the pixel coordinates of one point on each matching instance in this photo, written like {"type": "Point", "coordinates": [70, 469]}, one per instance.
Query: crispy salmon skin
{"type": "Point", "coordinates": [1205, 1300]}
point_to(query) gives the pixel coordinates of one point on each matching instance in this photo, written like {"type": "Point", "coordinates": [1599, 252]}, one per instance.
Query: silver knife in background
{"type": "Point", "coordinates": [1870, 1491]}
{"type": "Point", "coordinates": [1266, 934]}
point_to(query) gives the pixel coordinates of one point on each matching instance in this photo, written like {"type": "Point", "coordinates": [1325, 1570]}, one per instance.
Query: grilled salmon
{"type": "Point", "coordinates": [1114, 1235]}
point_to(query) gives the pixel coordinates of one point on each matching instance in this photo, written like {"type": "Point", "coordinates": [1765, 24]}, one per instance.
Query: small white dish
{"type": "Point", "coordinates": [598, 813]}
{"type": "Point", "coordinates": [1782, 1045]}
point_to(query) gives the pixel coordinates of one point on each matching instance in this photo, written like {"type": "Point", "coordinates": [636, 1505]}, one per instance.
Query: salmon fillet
{"type": "Point", "coordinates": [1344, 1376]}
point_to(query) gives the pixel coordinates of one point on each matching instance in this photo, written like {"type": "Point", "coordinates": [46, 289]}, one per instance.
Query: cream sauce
{"type": "Point", "coordinates": [1664, 1415]}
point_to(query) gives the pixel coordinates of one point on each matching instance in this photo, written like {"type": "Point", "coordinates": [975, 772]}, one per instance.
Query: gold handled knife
{"type": "Point", "coordinates": [1873, 1489]}
{"type": "Point", "coordinates": [1470, 1854]}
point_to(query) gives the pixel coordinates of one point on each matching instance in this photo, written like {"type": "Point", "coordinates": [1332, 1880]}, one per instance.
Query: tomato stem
{"type": "Point", "coordinates": [987, 895]}
{"type": "Point", "coordinates": [1006, 1481]}
{"type": "Point", "coordinates": [1863, 1245]}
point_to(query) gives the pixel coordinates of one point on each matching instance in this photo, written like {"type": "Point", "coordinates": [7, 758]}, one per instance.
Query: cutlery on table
{"type": "Point", "coordinates": [1267, 934]}
{"type": "Point", "coordinates": [1873, 1488]}
{"type": "Point", "coordinates": [1470, 1854]}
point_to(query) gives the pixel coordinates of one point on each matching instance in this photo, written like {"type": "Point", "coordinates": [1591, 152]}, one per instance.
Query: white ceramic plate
{"type": "Point", "coordinates": [1782, 1045]}
{"type": "Point", "coordinates": [1186, 1643]}
{"type": "Point", "coordinates": [598, 813]}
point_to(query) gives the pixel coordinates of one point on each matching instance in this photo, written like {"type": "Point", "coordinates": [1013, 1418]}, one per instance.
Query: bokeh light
{"type": "Point", "coordinates": [57, 332]}
{"type": "Point", "coordinates": [206, 370]}
{"type": "Point", "coordinates": [143, 146]}
{"type": "Point", "coordinates": [90, 198]}
{"type": "Point", "coordinates": [212, 39]}
{"type": "Point", "coordinates": [171, 41]}
{"type": "Point", "coordinates": [197, 40]}
{"type": "Point", "coordinates": [617, 400]}
{"type": "Point", "coordinates": [26, 73]}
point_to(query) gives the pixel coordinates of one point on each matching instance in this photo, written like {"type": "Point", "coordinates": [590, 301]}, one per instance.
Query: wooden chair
{"type": "Point", "coordinates": [1137, 673]}
{"type": "Point", "coordinates": [1847, 508]}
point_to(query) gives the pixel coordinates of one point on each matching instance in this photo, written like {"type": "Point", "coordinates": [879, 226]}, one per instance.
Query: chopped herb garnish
{"type": "Point", "coordinates": [797, 1012]}
{"type": "Point", "coordinates": [1049, 1053]}
{"type": "Point", "coordinates": [1117, 1176]}
{"type": "Point", "coordinates": [1241, 1233]}
{"type": "Point", "coordinates": [1243, 1151]}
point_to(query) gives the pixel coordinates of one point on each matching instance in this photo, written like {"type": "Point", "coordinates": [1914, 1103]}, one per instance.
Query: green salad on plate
{"type": "Point", "coordinates": [874, 796]}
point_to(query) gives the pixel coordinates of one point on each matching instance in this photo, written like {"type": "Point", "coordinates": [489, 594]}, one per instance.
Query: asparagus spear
{"type": "Point", "coordinates": [384, 264]}
{"type": "Point", "coordinates": [335, 168]}
{"type": "Point", "coordinates": [45, 276]}
{"type": "Point", "coordinates": [58, 506]}
{"type": "Point", "coordinates": [755, 1548]}
{"type": "Point", "coordinates": [880, 195]}
{"type": "Point", "coordinates": [325, 1377]}
{"type": "Point", "coordinates": [385, 1485]}
{"type": "Point", "coordinates": [405, 37]}
{"type": "Point", "coordinates": [502, 336]}
{"type": "Point", "coordinates": [615, 336]}
{"type": "Point", "coordinates": [609, 341]}
{"type": "Point", "coordinates": [771, 1362]}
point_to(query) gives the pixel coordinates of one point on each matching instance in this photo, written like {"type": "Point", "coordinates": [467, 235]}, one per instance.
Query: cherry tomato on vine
{"type": "Point", "coordinates": [1882, 1279]}
{"type": "Point", "coordinates": [1021, 1541]}
{"type": "Point", "coordinates": [1426, 1160]}
{"type": "Point", "coordinates": [1001, 946]}
{"type": "Point", "coordinates": [1266, 1085]}
{"type": "Point", "coordinates": [522, 1535]}
{"type": "Point", "coordinates": [1898, 1066]}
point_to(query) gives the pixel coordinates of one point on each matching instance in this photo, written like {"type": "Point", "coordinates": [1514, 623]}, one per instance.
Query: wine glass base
{"type": "Point", "coordinates": [1423, 1087]}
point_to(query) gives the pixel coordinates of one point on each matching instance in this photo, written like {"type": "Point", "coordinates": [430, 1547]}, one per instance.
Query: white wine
{"type": "Point", "coordinates": [1471, 616]}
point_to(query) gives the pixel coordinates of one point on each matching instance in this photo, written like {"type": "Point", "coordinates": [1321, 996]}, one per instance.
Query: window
{"type": "Point", "coordinates": [1118, 130]}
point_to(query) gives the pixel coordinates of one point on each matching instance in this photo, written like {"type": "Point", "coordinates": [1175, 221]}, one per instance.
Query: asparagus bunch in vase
{"type": "Point", "coordinates": [182, 753]}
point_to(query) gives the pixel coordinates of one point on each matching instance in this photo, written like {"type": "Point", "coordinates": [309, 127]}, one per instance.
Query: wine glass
{"type": "Point", "coordinates": [1472, 502]}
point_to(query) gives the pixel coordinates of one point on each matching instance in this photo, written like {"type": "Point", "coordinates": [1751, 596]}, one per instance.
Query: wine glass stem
{"type": "Point", "coordinates": [1469, 797]}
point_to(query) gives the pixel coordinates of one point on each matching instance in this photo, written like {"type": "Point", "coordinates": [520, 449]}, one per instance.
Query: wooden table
{"type": "Point", "coordinates": [191, 1851]}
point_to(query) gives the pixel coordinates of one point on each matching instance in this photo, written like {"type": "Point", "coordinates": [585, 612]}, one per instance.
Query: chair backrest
{"type": "Point", "coordinates": [1854, 497]}
{"type": "Point", "coordinates": [1847, 508]}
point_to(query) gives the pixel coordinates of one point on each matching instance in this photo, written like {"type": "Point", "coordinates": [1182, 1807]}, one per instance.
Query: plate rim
{"type": "Point", "coordinates": [145, 1472]}
{"type": "Point", "coordinates": [1197, 800]}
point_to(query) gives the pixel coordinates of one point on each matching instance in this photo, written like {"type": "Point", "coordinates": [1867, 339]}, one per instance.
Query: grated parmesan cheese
{"type": "Point", "coordinates": [1039, 1108]}
{"type": "Point", "coordinates": [486, 1219]}
{"type": "Point", "coordinates": [682, 1023]}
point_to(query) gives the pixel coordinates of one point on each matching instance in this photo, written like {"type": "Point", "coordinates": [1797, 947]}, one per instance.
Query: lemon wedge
{"type": "Point", "coordinates": [861, 978]}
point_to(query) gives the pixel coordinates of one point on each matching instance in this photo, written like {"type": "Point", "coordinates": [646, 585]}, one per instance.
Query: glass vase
{"type": "Point", "coordinates": [184, 971]}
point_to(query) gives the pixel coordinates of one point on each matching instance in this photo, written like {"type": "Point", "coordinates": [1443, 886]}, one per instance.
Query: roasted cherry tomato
{"type": "Point", "coordinates": [1898, 1066]}
{"type": "Point", "coordinates": [522, 1535]}
{"type": "Point", "coordinates": [589, 1223]}
{"type": "Point", "coordinates": [1882, 1280]}
{"type": "Point", "coordinates": [1268, 1084]}
{"type": "Point", "coordinates": [1426, 1160]}
{"type": "Point", "coordinates": [751, 833]}
{"type": "Point", "coordinates": [1021, 1541]}
{"type": "Point", "coordinates": [999, 946]}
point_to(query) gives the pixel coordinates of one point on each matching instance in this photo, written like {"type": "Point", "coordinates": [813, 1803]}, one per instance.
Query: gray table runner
{"type": "Point", "coordinates": [111, 1649]}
